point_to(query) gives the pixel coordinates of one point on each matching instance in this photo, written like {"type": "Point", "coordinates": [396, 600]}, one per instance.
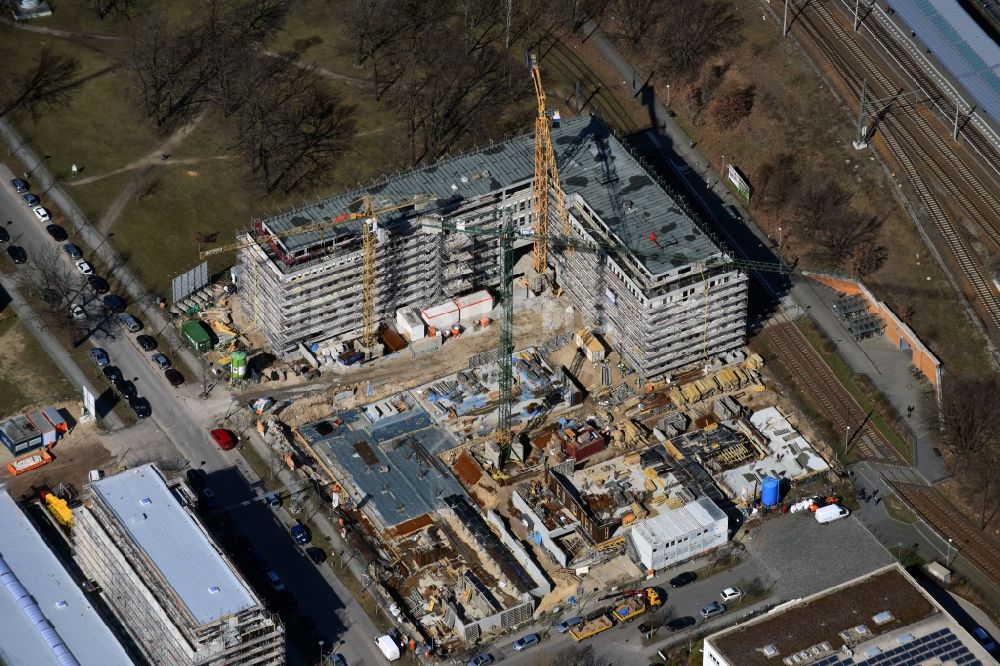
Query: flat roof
{"type": "Point", "coordinates": [29, 567]}
{"type": "Point", "coordinates": [20, 428]}
{"type": "Point", "coordinates": [671, 524]}
{"type": "Point", "coordinates": [592, 163]}
{"type": "Point", "coordinates": [391, 461]}
{"type": "Point", "coordinates": [176, 544]}
{"type": "Point", "coordinates": [957, 41]}
{"type": "Point", "coordinates": [873, 614]}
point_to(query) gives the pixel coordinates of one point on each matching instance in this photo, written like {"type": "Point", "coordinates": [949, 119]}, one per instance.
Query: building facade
{"type": "Point", "coordinates": [166, 580]}
{"type": "Point", "coordinates": [666, 298]}
{"type": "Point", "coordinates": [678, 535]}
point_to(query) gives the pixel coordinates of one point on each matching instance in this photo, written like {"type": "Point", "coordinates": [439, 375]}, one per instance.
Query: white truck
{"type": "Point", "coordinates": [830, 513]}
{"type": "Point", "coordinates": [388, 646]}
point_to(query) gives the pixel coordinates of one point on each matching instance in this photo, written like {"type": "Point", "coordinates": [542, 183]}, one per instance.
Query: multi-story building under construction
{"type": "Point", "coordinates": [667, 300]}
{"type": "Point", "coordinates": [167, 582]}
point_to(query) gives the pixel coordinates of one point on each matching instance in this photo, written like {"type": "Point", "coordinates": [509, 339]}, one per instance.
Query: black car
{"type": "Point", "coordinates": [4, 235]}
{"type": "Point", "coordinates": [173, 376]}
{"type": "Point", "coordinates": [679, 623]}
{"type": "Point", "coordinates": [20, 186]}
{"type": "Point", "coordinates": [147, 342]}
{"type": "Point", "coordinates": [683, 579]}
{"type": "Point", "coordinates": [58, 233]}
{"type": "Point", "coordinates": [140, 406]}
{"type": "Point", "coordinates": [17, 254]}
{"type": "Point", "coordinates": [317, 555]}
{"type": "Point", "coordinates": [73, 251]}
{"type": "Point", "coordinates": [31, 199]}
{"type": "Point", "coordinates": [114, 303]}
{"type": "Point", "coordinates": [126, 388]}
{"type": "Point", "coordinates": [98, 284]}
{"type": "Point", "coordinates": [197, 478]}
{"type": "Point", "coordinates": [112, 373]}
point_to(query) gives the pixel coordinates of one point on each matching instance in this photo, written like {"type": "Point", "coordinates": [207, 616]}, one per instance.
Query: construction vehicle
{"type": "Point", "coordinates": [635, 603]}
{"type": "Point", "coordinates": [590, 628]}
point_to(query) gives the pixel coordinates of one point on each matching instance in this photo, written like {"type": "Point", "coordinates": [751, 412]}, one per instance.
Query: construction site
{"type": "Point", "coordinates": [497, 464]}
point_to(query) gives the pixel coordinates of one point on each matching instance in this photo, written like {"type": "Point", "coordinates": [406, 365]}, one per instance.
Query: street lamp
{"type": "Point", "coordinates": [668, 95]}
{"type": "Point", "coordinates": [948, 559]}
{"type": "Point", "coordinates": [321, 652]}
{"type": "Point", "coordinates": [779, 239]}
{"type": "Point", "coordinates": [847, 438]}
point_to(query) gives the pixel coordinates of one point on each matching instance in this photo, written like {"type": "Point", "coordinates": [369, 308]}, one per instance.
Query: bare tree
{"type": "Point", "coordinates": [48, 82]}
{"type": "Point", "coordinates": [510, 10]}
{"type": "Point", "coordinates": [52, 287]}
{"type": "Point", "coordinates": [637, 20]}
{"type": "Point", "coordinates": [115, 8]}
{"type": "Point", "coordinates": [731, 106]}
{"type": "Point", "coordinates": [970, 431]}
{"type": "Point", "coordinates": [691, 32]}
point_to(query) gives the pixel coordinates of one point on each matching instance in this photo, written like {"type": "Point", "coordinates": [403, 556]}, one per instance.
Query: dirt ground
{"type": "Point", "coordinates": [28, 377]}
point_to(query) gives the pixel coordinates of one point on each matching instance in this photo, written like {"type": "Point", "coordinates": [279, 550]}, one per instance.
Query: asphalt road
{"type": "Point", "coordinates": [623, 644]}
{"type": "Point", "coordinates": [185, 418]}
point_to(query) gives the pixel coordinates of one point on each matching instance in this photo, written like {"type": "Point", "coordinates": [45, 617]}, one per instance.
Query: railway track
{"type": "Point", "coordinates": [988, 220]}
{"type": "Point", "coordinates": [981, 138]}
{"type": "Point", "coordinates": [978, 547]}
{"type": "Point", "coordinates": [839, 406]}
{"type": "Point", "coordinates": [902, 147]}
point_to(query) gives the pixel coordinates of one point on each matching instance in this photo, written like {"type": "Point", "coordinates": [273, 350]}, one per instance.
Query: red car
{"type": "Point", "coordinates": [225, 439]}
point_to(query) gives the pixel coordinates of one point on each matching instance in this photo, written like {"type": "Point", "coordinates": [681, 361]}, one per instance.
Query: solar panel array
{"type": "Point", "coordinates": [942, 644]}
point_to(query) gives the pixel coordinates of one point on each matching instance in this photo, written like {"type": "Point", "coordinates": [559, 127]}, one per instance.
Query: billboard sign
{"type": "Point", "coordinates": [89, 406]}
{"type": "Point", "coordinates": [187, 283]}
{"type": "Point", "coordinates": [739, 182]}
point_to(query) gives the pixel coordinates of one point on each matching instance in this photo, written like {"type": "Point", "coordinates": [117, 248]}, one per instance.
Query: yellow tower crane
{"type": "Point", "coordinates": [364, 210]}
{"type": "Point", "coordinates": [546, 177]}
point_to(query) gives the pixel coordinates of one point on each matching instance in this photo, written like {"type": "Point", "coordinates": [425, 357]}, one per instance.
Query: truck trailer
{"type": "Point", "coordinates": [590, 628]}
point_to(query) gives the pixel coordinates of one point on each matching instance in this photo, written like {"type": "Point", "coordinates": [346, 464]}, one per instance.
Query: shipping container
{"type": "Point", "coordinates": [196, 335]}
{"type": "Point", "coordinates": [474, 306]}
{"type": "Point", "coordinates": [441, 316]}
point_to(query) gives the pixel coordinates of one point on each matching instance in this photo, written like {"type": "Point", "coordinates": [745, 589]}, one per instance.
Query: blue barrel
{"type": "Point", "coordinates": [769, 491]}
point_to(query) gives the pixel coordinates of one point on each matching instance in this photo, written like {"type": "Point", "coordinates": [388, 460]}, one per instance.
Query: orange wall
{"type": "Point", "coordinates": [895, 330]}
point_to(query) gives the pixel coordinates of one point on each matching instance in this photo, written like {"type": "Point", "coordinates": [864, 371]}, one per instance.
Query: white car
{"type": "Point", "coordinates": [84, 267]}
{"type": "Point", "coordinates": [41, 213]}
{"type": "Point", "coordinates": [77, 311]}
{"type": "Point", "coordinates": [731, 593]}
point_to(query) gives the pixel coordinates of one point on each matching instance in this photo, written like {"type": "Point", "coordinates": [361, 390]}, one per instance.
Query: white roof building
{"type": "Point", "coordinates": [46, 617]}
{"type": "Point", "coordinates": [169, 583]}
{"type": "Point", "coordinates": [676, 535]}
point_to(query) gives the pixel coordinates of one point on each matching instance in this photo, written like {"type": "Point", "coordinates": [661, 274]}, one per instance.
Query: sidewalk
{"type": "Point", "coordinates": [53, 348]}
{"type": "Point", "coordinates": [44, 182]}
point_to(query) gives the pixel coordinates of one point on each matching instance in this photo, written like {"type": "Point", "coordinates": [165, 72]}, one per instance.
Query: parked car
{"type": "Point", "coordinates": [147, 342]}
{"type": "Point", "coordinates": [77, 311]}
{"type": "Point", "coordinates": [31, 199]}
{"type": "Point", "coordinates": [126, 388]}
{"type": "Point", "coordinates": [679, 623]}
{"type": "Point", "coordinates": [100, 357]}
{"type": "Point", "coordinates": [273, 500]}
{"type": "Point", "coordinates": [20, 186]}
{"type": "Point", "coordinates": [140, 406]}
{"type": "Point", "coordinates": [197, 478]}
{"type": "Point", "coordinates": [731, 593]}
{"type": "Point", "coordinates": [301, 534]}
{"type": "Point", "coordinates": [84, 266]}
{"type": "Point", "coordinates": [225, 439]}
{"type": "Point", "coordinates": [682, 579]}
{"type": "Point", "coordinates": [161, 360]}
{"type": "Point", "coordinates": [525, 642]}
{"type": "Point", "coordinates": [481, 660]}
{"type": "Point", "coordinates": [713, 609]}
{"type": "Point", "coordinates": [130, 322]}
{"type": "Point", "coordinates": [17, 254]}
{"type": "Point", "coordinates": [174, 377]}
{"type": "Point", "coordinates": [275, 582]}
{"type": "Point", "coordinates": [98, 284]}
{"type": "Point", "coordinates": [208, 499]}
{"type": "Point", "coordinates": [317, 555]}
{"type": "Point", "coordinates": [112, 372]}
{"type": "Point", "coordinates": [58, 233]}
{"type": "Point", "coordinates": [568, 624]}
{"type": "Point", "coordinates": [41, 213]}
{"type": "Point", "coordinates": [4, 235]}
{"type": "Point", "coordinates": [984, 639]}
{"type": "Point", "coordinates": [73, 251]}
{"type": "Point", "coordinates": [336, 659]}
{"type": "Point", "coordinates": [114, 303]}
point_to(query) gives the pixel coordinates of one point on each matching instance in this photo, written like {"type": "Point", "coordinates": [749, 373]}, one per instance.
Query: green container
{"type": "Point", "coordinates": [196, 335]}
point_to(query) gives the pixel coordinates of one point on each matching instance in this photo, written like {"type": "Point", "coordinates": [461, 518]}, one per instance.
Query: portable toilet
{"type": "Point", "coordinates": [770, 491]}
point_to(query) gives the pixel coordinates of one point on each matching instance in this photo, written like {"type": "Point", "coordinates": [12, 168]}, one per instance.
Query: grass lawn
{"type": "Point", "coordinates": [28, 377]}
{"type": "Point", "coordinates": [897, 510]}
{"type": "Point", "coordinates": [845, 375]}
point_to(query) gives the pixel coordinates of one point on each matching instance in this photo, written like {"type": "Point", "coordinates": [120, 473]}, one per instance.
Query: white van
{"type": "Point", "coordinates": [830, 513]}
{"type": "Point", "coordinates": [388, 646]}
